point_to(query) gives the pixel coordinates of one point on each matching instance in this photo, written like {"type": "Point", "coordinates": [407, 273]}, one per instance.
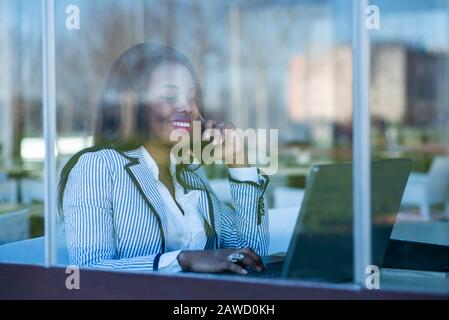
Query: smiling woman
{"type": "Point", "coordinates": [125, 203]}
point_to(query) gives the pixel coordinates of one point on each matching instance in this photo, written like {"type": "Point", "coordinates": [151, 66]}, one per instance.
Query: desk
{"type": "Point", "coordinates": [411, 280]}
{"type": "Point", "coordinates": [34, 282]}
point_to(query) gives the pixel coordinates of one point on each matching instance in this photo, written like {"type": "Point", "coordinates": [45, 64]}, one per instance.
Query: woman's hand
{"type": "Point", "coordinates": [234, 152]}
{"type": "Point", "coordinates": [215, 261]}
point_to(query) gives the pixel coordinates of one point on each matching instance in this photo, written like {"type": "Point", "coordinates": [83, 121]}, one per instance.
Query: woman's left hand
{"type": "Point", "coordinates": [233, 152]}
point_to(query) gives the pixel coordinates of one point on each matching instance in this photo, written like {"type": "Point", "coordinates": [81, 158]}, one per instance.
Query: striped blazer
{"type": "Point", "coordinates": [115, 218]}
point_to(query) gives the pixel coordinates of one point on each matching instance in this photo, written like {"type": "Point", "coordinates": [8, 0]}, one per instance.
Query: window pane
{"type": "Point", "coordinates": [409, 106]}
{"type": "Point", "coordinates": [281, 65]}
{"type": "Point", "coordinates": [21, 137]}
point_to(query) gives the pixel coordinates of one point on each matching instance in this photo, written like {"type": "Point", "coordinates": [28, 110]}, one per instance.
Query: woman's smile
{"type": "Point", "coordinates": [182, 124]}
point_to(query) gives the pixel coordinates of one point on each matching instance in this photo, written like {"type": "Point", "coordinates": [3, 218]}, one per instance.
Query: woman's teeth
{"type": "Point", "coordinates": [181, 124]}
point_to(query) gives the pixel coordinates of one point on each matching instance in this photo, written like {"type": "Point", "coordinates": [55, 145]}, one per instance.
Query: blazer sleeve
{"type": "Point", "coordinates": [88, 218]}
{"type": "Point", "coordinates": [246, 224]}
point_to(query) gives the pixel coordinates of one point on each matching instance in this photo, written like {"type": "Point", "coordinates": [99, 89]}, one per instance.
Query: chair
{"type": "Point", "coordinates": [282, 222]}
{"type": "Point", "coordinates": [14, 225]}
{"type": "Point", "coordinates": [287, 197]}
{"type": "Point", "coordinates": [428, 189]}
{"type": "Point", "coordinates": [31, 190]}
{"type": "Point", "coordinates": [8, 191]}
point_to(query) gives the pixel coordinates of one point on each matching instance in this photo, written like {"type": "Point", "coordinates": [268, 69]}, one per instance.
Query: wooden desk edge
{"type": "Point", "coordinates": [37, 282]}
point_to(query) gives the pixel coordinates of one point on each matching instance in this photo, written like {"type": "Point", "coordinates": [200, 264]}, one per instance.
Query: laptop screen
{"type": "Point", "coordinates": [322, 244]}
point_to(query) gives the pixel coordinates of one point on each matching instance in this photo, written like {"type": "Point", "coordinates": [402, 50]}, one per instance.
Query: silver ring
{"type": "Point", "coordinates": [236, 257]}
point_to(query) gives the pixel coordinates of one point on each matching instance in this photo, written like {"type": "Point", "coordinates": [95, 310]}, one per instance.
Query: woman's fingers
{"type": "Point", "coordinates": [217, 261]}
{"type": "Point", "coordinates": [226, 129]}
{"type": "Point", "coordinates": [236, 268]}
{"type": "Point", "coordinates": [218, 125]}
{"type": "Point", "coordinates": [250, 252]}
{"type": "Point", "coordinates": [249, 261]}
{"type": "Point", "coordinates": [209, 124]}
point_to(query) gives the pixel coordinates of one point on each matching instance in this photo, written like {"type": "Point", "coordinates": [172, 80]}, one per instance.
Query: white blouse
{"type": "Point", "coordinates": [185, 231]}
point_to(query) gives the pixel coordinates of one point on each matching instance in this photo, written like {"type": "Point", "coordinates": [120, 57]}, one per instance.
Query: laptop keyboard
{"type": "Point", "coordinates": [272, 270]}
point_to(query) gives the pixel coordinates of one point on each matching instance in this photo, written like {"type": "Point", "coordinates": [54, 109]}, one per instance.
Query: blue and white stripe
{"type": "Point", "coordinates": [115, 217]}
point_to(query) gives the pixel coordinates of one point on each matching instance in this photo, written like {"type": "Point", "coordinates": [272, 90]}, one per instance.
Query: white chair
{"type": "Point", "coordinates": [282, 222]}
{"type": "Point", "coordinates": [31, 190]}
{"type": "Point", "coordinates": [8, 191]}
{"type": "Point", "coordinates": [287, 197]}
{"type": "Point", "coordinates": [427, 189]}
{"type": "Point", "coordinates": [14, 226]}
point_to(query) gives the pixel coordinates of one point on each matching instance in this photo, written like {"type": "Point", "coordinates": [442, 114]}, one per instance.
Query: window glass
{"type": "Point", "coordinates": [409, 107]}
{"type": "Point", "coordinates": [21, 137]}
{"type": "Point", "coordinates": [283, 66]}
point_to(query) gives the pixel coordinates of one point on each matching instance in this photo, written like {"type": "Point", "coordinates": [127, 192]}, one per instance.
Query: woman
{"type": "Point", "coordinates": [127, 206]}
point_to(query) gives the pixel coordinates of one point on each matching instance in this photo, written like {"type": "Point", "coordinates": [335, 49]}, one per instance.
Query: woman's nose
{"type": "Point", "coordinates": [184, 106]}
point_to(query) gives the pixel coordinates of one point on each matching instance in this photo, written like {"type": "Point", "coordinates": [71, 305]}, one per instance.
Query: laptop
{"type": "Point", "coordinates": [321, 247]}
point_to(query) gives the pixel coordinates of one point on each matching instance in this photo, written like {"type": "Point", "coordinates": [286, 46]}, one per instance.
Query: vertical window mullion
{"type": "Point", "coordinates": [49, 120]}
{"type": "Point", "coordinates": [361, 143]}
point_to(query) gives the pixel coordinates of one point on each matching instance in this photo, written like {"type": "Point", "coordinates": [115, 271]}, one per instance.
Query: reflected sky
{"type": "Point", "coordinates": [420, 23]}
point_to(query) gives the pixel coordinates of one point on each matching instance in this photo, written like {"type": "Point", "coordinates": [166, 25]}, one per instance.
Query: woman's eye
{"type": "Point", "coordinates": [169, 99]}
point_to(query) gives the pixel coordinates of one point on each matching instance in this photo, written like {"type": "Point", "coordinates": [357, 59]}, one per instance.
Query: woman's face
{"type": "Point", "coordinates": [172, 101]}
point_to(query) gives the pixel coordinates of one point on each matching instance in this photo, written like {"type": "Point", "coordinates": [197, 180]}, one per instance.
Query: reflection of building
{"type": "Point", "coordinates": [388, 80]}
{"type": "Point", "coordinates": [320, 87]}
{"type": "Point", "coordinates": [320, 92]}
{"type": "Point", "coordinates": [427, 87]}
{"type": "Point", "coordinates": [406, 87]}
{"type": "Point", "coordinates": [263, 37]}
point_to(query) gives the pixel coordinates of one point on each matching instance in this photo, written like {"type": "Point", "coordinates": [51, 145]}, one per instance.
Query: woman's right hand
{"type": "Point", "coordinates": [215, 261]}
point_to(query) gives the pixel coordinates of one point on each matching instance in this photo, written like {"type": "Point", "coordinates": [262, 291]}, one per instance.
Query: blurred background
{"type": "Point", "coordinates": [264, 64]}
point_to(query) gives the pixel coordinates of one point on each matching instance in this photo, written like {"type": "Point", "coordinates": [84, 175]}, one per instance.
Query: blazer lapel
{"type": "Point", "coordinates": [146, 185]}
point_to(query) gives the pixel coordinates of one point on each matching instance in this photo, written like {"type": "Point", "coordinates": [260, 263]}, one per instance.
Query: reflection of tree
{"type": "Point", "coordinates": [271, 33]}
{"type": "Point", "coordinates": [24, 73]}
{"type": "Point", "coordinates": [85, 57]}
{"type": "Point", "coordinates": [201, 37]}
{"type": "Point", "coordinates": [200, 30]}
{"type": "Point", "coordinates": [170, 29]}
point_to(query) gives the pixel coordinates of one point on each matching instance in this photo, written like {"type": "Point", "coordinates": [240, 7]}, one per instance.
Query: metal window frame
{"type": "Point", "coordinates": [49, 121]}
{"type": "Point", "coordinates": [361, 143]}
